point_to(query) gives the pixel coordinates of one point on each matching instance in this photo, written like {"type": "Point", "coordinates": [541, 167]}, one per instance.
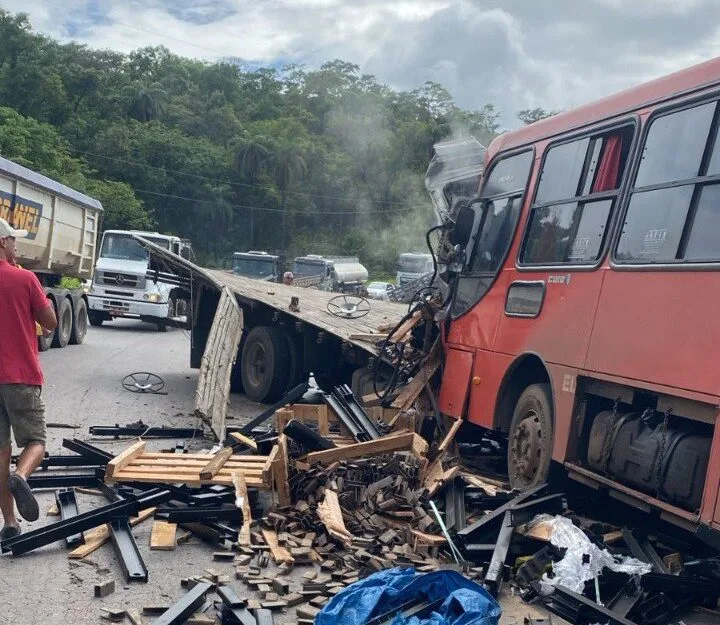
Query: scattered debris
{"type": "Point", "coordinates": [143, 382]}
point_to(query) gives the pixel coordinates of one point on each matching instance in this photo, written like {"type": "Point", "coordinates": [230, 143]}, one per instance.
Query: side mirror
{"type": "Point", "coordinates": [464, 222]}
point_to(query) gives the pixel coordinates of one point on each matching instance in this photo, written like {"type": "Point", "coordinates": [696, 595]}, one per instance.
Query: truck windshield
{"type": "Point", "coordinates": [304, 268]}
{"type": "Point", "coordinates": [414, 264]}
{"type": "Point", "coordinates": [123, 246]}
{"type": "Point", "coordinates": [255, 267]}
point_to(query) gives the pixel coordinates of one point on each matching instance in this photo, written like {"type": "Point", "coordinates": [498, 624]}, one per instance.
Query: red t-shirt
{"type": "Point", "coordinates": [21, 296]}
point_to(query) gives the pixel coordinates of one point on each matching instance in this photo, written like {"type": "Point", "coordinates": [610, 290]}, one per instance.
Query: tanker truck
{"type": "Point", "coordinates": [62, 226]}
{"type": "Point", "coordinates": [330, 273]}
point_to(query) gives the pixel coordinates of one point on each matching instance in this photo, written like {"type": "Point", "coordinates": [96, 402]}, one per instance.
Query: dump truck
{"type": "Point", "coordinates": [63, 226]}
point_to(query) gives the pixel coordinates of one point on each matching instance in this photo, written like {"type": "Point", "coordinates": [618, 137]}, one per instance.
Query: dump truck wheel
{"type": "Point", "coordinates": [265, 364]}
{"type": "Point", "coordinates": [530, 442]}
{"type": "Point", "coordinates": [80, 323]}
{"type": "Point", "coordinates": [65, 323]}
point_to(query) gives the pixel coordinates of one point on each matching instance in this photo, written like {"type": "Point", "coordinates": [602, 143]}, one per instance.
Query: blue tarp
{"type": "Point", "coordinates": [466, 603]}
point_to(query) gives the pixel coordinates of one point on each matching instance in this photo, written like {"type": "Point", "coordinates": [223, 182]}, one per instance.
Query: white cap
{"type": "Point", "coordinates": [6, 230]}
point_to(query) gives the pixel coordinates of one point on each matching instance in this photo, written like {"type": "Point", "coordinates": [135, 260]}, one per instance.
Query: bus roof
{"type": "Point", "coordinates": [684, 82]}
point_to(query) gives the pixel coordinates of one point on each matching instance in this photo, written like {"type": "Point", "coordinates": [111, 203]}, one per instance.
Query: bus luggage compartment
{"type": "Point", "coordinates": [665, 459]}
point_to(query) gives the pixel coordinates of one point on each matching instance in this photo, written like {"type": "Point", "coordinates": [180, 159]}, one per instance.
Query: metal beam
{"type": "Point", "coordinates": [145, 431]}
{"type": "Point", "coordinates": [494, 574]}
{"type": "Point", "coordinates": [643, 550]}
{"type": "Point", "coordinates": [200, 514]}
{"type": "Point", "coordinates": [127, 551]}
{"type": "Point", "coordinates": [569, 605]}
{"type": "Point", "coordinates": [291, 396]}
{"type": "Point", "coordinates": [85, 521]}
{"type": "Point", "coordinates": [83, 480]}
{"type": "Point", "coordinates": [67, 505]}
{"type": "Point", "coordinates": [86, 450]}
{"type": "Point", "coordinates": [185, 607]}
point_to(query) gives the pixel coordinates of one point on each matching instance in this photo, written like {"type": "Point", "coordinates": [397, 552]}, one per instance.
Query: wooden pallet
{"type": "Point", "coordinates": [136, 465]}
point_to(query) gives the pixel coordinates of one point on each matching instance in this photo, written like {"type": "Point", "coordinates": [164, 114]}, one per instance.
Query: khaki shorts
{"type": "Point", "coordinates": [22, 408]}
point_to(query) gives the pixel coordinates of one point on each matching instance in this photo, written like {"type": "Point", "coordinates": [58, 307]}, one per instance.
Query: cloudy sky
{"type": "Point", "coordinates": [514, 53]}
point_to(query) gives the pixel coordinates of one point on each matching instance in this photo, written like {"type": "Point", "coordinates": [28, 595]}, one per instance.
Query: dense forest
{"type": "Point", "coordinates": [294, 161]}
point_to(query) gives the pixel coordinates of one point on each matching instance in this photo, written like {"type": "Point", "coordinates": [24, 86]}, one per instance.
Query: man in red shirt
{"type": "Point", "coordinates": [21, 406]}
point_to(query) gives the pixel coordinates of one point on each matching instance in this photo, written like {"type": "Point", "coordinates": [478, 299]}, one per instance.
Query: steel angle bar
{"type": "Point", "coordinates": [494, 574]}
{"type": "Point", "coordinates": [306, 436]}
{"type": "Point", "coordinates": [185, 607]}
{"type": "Point", "coordinates": [237, 616]}
{"type": "Point", "coordinates": [83, 480]}
{"type": "Point", "coordinates": [526, 512]}
{"type": "Point", "coordinates": [86, 450]}
{"type": "Point", "coordinates": [145, 431]}
{"type": "Point", "coordinates": [358, 412]}
{"type": "Point", "coordinates": [492, 520]}
{"type": "Point", "coordinates": [643, 550]}
{"type": "Point", "coordinates": [199, 514]}
{"type": "Point", "coordinates": [290, 397]}
{"type": "Point", "coordinates": [571, 605]}
{"type": "Point", "coordinates": [68, 507]}
{"type": "Point", "coordinates": [338, 407]}
{"type": "Point", "coordinates": [85, 521]}
{"type": "Point", "coordinates": [127, 551]}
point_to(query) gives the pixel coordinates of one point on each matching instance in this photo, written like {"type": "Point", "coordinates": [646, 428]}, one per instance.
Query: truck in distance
{"type": "Point", "coordinates": [121, 287]}
{"type": "Point", "coordinates": [62, 227]}
{"type": "Point", "coordinates": [330, 273]}
{"type": "Point", "coordinates": [412, 266]}
{"type": "Point", "coordinates": [258, 265]}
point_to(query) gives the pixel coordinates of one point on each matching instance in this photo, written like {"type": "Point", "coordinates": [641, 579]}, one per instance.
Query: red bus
{"type": "Point", "coordinates": [583, 322]}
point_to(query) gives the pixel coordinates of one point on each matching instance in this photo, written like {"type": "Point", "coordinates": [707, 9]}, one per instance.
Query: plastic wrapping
{"type": "Point", "coordinates": [572, 571]}
{"type": "Point", "coordinates": [465, 602]}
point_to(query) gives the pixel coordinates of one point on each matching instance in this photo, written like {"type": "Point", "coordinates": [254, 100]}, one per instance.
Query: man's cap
{"type": "Point", "coordinates": [6, 230]}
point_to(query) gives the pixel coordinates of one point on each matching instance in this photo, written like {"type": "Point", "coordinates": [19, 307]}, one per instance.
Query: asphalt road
{"type": "Point", "coordinates": [83, 388]}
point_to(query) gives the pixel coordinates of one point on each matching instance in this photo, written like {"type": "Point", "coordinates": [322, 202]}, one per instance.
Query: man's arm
{"type": "Point", "coordinates": [46, 317]}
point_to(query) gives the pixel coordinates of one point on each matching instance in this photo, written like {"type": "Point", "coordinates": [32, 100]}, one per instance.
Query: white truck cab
{"type": "Point", "coordinates": [120, 287]}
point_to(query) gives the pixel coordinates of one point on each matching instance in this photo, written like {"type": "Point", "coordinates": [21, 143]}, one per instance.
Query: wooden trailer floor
{"type": "Point", "coordinates": [313, 307]}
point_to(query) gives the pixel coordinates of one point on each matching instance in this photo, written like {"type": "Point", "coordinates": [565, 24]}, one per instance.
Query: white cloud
{"type": "Point", "coordinates": [515, 53]}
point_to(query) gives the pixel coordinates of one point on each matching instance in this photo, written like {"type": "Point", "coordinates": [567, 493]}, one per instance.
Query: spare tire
{"type": "Point", "coordinates": [265, 368]}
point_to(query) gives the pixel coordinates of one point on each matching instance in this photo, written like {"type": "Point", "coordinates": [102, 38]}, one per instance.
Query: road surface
{"type": "Point", "coordinates": [83, 388]}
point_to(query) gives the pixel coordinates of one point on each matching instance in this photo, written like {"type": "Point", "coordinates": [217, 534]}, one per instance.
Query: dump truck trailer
{"type": "Point", "coordinates": [62, 226]}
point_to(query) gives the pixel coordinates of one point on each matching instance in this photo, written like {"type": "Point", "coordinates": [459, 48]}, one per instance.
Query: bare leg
{"type": "Point", "coordinates": [7, 503]}
{"type": "Point", "coordinates": [30, 459]}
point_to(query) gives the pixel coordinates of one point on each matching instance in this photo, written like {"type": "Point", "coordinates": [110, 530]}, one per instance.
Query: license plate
{"type": "Point", "coordinates": [116, 312]}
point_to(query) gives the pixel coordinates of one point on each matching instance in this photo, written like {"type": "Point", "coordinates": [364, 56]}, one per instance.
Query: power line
{"type": "Point", "coordinates": [273, 210]}
{"type": "Point", "coordinates": [236, 184]}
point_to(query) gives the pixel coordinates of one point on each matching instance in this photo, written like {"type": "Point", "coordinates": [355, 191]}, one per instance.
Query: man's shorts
{"type": "Point", "coordinates": [22, 408]}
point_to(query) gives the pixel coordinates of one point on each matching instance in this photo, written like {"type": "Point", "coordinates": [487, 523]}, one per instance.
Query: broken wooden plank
{"type": "Point", "coordinates": [212, 468]}
{"type": "Point", "coordinates": [412, 390]}
{"type": "Point", "coordinates": [163, 536]}
{"type": "Point", "coordinates": [243, 502]}
{"type": "Point", "coordinates": [213, 389]}
{"type": "Point", "coordinates": [279, 553]}
{"type": "Point", "coordinates": [331, 515]}
{"type": "Point", "coordinates": [371, 448]}
{"type": "Point", "coordinates": [245, 440]}
{"type": "Point", "coordinates": [280, 472]}
{"type": "Point", "coordinates": [123, 459]}
{"type": "Point", "coordinates": [449, 437]}
{"type": "Point", "coordinates": [98, 536]}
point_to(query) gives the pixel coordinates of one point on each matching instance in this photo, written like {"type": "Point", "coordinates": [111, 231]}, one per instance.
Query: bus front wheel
{"type": "Point", "coordinates": [530, 442]}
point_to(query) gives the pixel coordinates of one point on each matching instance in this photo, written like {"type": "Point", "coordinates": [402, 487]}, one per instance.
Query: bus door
{"type": "Point", "coordinates": [553, 293]}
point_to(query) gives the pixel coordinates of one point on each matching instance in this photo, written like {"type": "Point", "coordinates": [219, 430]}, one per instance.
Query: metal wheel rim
{"type": "Point", "coordinates": [348, 307]}
{"type": "Point", "coordinates": [143, 382]}
{"type": "Point", "coordinates": [257, 358]}
{"type": "Point", "coordinates": [526, 446]}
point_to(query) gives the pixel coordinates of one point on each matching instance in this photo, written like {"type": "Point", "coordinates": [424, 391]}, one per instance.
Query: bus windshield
{"type": "Point", "coordinates": [122, 246]}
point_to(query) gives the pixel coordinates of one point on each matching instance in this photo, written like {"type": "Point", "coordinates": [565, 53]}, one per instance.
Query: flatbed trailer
{"type": "Point", "coordinates": [284, 334]}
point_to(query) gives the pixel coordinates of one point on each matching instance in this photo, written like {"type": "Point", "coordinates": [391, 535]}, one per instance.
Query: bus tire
{"type": "Point", "coordinates": [64, 323]}
{"type": "Point", "coordinates": [265, 367]}
{"type": "Point", "coordinates": [80, 323]}
{"type": "Point", "coordinates": [530, 442]}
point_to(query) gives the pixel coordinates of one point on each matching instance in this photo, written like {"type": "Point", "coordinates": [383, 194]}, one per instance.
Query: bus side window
{"type": "Point", "coordinates": [578, 188]}
{"type": "Point", "coordinates": [673, 213]}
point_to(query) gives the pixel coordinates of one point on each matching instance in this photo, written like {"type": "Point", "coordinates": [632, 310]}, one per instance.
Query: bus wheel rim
{"type": "Point", "coordinates": [527, 443]}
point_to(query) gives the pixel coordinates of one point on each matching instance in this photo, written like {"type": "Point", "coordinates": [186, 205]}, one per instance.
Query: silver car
{"type": "Point", "coordinates": [380, 290]}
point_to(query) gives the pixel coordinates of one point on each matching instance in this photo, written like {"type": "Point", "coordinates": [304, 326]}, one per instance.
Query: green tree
{"type": "Point", "coordinates": [530, 116]}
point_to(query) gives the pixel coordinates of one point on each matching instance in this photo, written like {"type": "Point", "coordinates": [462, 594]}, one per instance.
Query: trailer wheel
{"type": "Point", "coordinates": [531, 437]}
{"type": "Point", "coordinates": [265, 364]}
{"type": "Point", "coordinates": [80, 323]}
{"type": "Point", "coordinates": [96, 319]}
{"type": "Point", "coordinates": [65, 323]}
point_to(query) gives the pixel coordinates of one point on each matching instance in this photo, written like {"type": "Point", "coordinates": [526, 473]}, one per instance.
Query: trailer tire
{"type": "Point", "coordinates": [96, 319]}
{"type": "Point", "coordinates": [80, 323]}
{"type": "Point", "coordinates": [265, 368]}
{"type": "Point", "coordinates": [64, 323]}
{"type": "Point", "coordinates": [530, 442]}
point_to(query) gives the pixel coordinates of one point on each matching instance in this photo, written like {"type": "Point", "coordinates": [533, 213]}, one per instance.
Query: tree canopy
{"type": "Point", "coordinates": [294, 161]}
